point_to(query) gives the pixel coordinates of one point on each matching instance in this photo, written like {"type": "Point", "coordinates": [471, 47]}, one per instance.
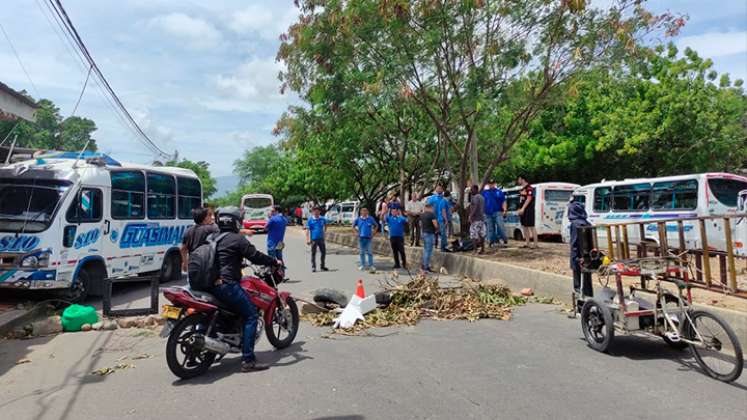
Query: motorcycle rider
{"type": "Point", "coordinates": [230, 253]}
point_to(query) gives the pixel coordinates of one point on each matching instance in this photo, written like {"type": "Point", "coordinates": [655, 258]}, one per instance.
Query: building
{"type": "Point", "coordinates": [14, 105]}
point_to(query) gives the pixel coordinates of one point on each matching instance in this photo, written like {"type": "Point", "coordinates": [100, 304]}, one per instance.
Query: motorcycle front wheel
{"type": "Point", "coordinates": [184, 360]}
{"type": "Point", "coordinates": [284, 326]}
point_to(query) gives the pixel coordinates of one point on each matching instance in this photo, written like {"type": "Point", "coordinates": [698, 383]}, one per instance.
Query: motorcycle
{"type": "Point", "coordinates": [201, 330]}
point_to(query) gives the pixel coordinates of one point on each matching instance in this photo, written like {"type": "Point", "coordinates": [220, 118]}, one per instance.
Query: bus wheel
{"type": "Point", "coordinates": [518, 236]}
{"type": "Point", "coordinates": [78, 291]}
{"type": "Point", "coordinates": [172, 268]}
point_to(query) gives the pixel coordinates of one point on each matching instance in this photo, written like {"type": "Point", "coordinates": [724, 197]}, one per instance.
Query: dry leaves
{"type": "Point", "coordinates": [423, 298]}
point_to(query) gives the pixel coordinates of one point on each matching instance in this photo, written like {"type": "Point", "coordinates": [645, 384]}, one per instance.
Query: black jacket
{"type": "Point", "coordinates": [232, 250]}
{"type": "Point", "coordinates": [577, 217]}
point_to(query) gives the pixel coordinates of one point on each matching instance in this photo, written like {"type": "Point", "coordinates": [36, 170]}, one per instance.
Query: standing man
{"type": "Point", "coordinates": [414, 209]}
{"type": "Point", "coordinates": [316, 227]}
{"type": "Point", "coordinates": [396, 224]}
{"type": "Point", "coordinates": [495, 210]}
{"type": "Point", "coordinates": [276, 233]}
{"type": "Point", "coordinates": [365, 227]}
{"type": "Point", "coordinates": [477, 229]}
{"type": "Point", "coordinates": [526, 212]}
{"type": "Point", "coordinates": [197, 234]}
{"type": "Point", "coordinates": [440, 207]}
{"type": "Point", "coordinates": [429, 226]}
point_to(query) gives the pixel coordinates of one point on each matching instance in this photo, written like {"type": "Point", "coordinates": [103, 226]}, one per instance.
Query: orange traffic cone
{"type": "Point", "coordinates": [359, 290]}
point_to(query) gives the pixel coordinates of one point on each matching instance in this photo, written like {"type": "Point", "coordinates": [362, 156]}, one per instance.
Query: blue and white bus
{"type": "Point", "coordinates": [672, 197]}
{"type": "Point", "coordinates": [67, 223]}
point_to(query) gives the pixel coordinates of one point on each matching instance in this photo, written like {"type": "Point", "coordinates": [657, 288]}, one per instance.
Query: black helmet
{"type": "Point", "coordinates": [229, 219]}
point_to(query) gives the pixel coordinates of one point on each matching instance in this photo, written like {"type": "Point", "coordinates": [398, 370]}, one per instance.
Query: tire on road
{"type": "Point", "coordinates": [330, 297]}
{"type": "Point", "coordinates": [597, 325]}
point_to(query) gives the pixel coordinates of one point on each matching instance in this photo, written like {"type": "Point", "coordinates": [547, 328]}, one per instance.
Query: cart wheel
{"type": "Point", "coordinates": [720, 354]}
{"type": "Point", "coordinates": [597, 325]}
{"type": "Point", "coordinates": [673, 303]}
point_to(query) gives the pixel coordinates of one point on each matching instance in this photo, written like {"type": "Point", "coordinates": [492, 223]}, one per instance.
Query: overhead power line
{"type": "Point", "coordinates": [68, 26]}
{"type": "Point", "coordinates": [20, 62]}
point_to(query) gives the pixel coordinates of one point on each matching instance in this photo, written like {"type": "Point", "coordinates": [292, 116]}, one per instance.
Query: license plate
{"type": "Point", "coordinates": [171, 312]}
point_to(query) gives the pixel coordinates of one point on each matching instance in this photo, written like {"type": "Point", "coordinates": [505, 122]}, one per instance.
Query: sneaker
{"type": "Point", "coordinates": [361, 268]}
{"type": "Point", "coordinates": [372, 270]}
{"type": "Point", "coordinates": [253, 366]}
{"type": "Point", "coordinates": [396, 267]}
{"type": "Point", "coordinates": [313, 269]}
{"type": "Point", "coordinates": [325, 269]}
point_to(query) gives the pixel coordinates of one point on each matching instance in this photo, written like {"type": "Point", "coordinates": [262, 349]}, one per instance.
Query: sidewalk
{"type": "Point", "coordinates": [517, 277]}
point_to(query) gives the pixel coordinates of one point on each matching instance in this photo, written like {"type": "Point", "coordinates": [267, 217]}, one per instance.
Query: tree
{"type": "Point", "coordinates": [51, 131]}
{"type": "Point", "coordinates": [479, 72]}
{"type": "Point", "coordinates": [669, 114]}
{"type": "Point", "coordinates": [202, 170]}
{"type": "Point", "coordinates": [256, 164]}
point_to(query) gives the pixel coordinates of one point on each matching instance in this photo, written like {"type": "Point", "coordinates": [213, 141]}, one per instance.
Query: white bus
{"type": "Point", "coordinates": [672, 197]}
{"type": "Point", "coordinates": [551, 201]}
{"type": "Point", "coordinates": [257, 208]}
{"type": "Point", "coordinates": [348, 212]}
{"type": "Point", "coordinates": [740, 241]}
{"type": "Point", "coordinates": [66, 223]}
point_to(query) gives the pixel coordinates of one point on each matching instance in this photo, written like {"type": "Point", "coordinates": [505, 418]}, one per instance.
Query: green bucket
{"type": "Point", "coordinates": [74, 316]}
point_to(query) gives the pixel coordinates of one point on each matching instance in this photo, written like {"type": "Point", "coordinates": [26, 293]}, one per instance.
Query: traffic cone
{"type": "Point", "coordinates": [359, 290]}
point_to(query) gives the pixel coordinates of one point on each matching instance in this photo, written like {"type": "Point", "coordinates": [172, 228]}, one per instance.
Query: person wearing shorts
{"type": "Point", "coordinates": [477, 228]}
{"type": "Point", "coordinates": [526, 212]}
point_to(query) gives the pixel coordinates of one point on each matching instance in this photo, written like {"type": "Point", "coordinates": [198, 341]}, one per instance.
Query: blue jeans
{"type": "Point", "coordinates": [236, 298]}
{"type": "Point", "coordinates": [444, 231]}
{"type": "Point", "coordinates": [496, 229]}
{"type": "Point", "coordinates": [364, 246]}
{"type": "Point", "coordinates": [276, 253]}
{"type": "Point", "coordinates": [429, 240]}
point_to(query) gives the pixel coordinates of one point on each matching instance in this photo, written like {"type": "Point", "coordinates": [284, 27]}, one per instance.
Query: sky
{"type": "Point", "coordinates": [201, 77]}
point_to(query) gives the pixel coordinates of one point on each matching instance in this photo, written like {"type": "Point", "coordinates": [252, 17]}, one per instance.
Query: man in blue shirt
{"type": "Point", "coordinates": [441, 208]}
{"type": "Point", "coordinates": [365, 226]}
{"type": "Point", "coordinates": [276, 233]}
{"type": "Point", "coordinates": [316, 227]}
{"type": "Point", "coordinates": [495, 211]}
{"type": "Point", "coordinates": [397, 224]}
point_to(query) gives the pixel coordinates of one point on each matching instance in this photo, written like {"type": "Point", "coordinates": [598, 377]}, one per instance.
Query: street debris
{"type": "Point", "coordinates": [109, 370]}
{"type": "Point", "coordinates": [23, 361]}
{"type": "Point", "coordinates": [75, 316]}
{"type": "Point", "coordinates": [423, 298]}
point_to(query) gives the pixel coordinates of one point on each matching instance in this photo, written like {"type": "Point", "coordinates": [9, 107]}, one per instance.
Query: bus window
{"type": "Point", "coordinates": [602, 198]}
{"type": "Point", "coordinates": [559, 196]}
{"type": "Point", "coordinates": [86, 207]}
{"type": "Point", "coordinates": [128, 194]}
{"type": "Point", "coordinates": [189, 192]}
{"type": "Point", "coordinates": [634, 197]}
{"type": "Point", "coordinates": [512, 201]}
{"type": "Point", "coordinates": [676, 195]}
{"type": "Point", "coordinates": [161, 196]}
{"type": "Point", "coordinates": [726, 191]}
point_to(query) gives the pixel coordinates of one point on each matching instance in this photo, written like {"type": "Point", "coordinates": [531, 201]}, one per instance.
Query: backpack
{"type": "Point", "coordinates": [202, 269]}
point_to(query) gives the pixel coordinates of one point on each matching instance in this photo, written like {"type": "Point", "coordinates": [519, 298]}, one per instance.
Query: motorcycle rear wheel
{"type": "Point", "coordinates": [280, 324]}
{"type": "Point", "coordinates": [193, 362]}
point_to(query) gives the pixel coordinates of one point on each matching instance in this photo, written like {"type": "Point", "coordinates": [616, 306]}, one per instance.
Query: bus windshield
{"type": "Point", "coordinates": [726, 191]}
{"type": "Point", "coordinates": [257, 202]}
{"type": "Point", "coordinates": [28, 207]}
{"type": "Point", "coordinates": [558, 195]}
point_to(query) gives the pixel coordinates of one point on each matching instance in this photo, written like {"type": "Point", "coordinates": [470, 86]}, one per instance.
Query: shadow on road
{"type": "Point", "coordinates": [275, 358]}
{"type": "Point", "coordinates": [11, 351]}
{"type": "Point", "coordinates": [643, 348]}
{"type": "Point", "coordinates": [350, 417]}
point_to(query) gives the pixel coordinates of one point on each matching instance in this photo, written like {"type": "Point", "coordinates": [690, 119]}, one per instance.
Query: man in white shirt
{"type": "Point", "coordinates": [414, 209]}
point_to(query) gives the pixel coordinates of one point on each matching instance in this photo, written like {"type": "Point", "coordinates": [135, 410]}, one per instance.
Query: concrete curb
{"type": "Point", "coordinates": [515, 277]}
{"type": "Point", "coordinates": [19, 317]}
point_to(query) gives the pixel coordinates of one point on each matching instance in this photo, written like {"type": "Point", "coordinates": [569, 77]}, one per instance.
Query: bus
{"type": "Point", "coordinates": [68, 220]}
{"type": "Point", "coordinates": [257, 208]}
{"type": "Point", "coordinates": [552, 199]}
{"type": "Point", "coordinates": [348, 212]}
{"type": "Point", "coordinates": [740, 242]}
{"type": "Point", "coordinates": [671, 197]}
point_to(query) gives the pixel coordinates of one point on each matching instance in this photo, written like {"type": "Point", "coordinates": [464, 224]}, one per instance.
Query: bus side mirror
{"type": "Point", "coordinates": [68, 235]}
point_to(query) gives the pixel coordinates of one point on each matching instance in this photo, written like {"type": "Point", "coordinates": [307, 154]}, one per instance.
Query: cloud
{"type": "Point", "coordinates": [716, 44]}
{"type": "Point", "coordinates": [197, 33]}
{"type": "Point", "coordinates": [252, 86]}
{"type": "Point", "coordinates": [265, 22]}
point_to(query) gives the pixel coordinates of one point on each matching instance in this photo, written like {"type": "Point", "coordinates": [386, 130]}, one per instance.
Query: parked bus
{"type": "Point", "coordinates": [740, 242]}
{"type": "Point", "coordinates": [67, 223]}
{"type": "Point", "coordinates": [672, 197]}
{"type": "Point", "coordinates": [551, 201]}
{"type": "Point", "coordinates": [348, 212]}
{"type": "Point", "coordinates": [257, 208]}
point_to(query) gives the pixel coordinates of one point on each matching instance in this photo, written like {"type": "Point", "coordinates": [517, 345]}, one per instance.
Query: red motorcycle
{"type": "Point", "coordinates": [201, 329]}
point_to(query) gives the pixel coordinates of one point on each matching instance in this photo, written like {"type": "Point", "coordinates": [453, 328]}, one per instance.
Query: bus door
{"type": "Point", "coordinates": [84, 227]}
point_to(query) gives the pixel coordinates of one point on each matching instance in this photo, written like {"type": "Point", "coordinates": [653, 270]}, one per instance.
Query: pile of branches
{"type": "Point", "coordinates": [423, 298]}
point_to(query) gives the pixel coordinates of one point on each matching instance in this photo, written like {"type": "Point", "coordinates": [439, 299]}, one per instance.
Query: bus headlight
{"type": "Point", "coordinates": [36, 260]}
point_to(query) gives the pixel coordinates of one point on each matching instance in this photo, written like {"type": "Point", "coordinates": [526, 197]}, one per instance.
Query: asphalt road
{"type": "Point", "coordinates": [535, 366]}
